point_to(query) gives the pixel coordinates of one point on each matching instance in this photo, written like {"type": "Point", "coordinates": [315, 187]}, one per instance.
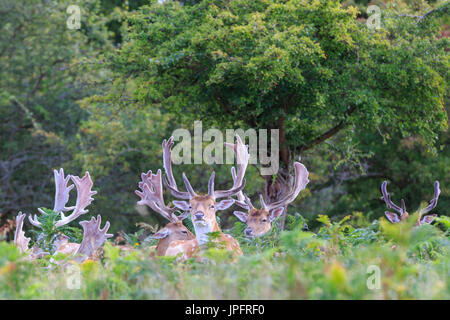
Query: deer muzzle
{"type": "Point", "coordinates": [248, 232]}
{"type": "Point", "coordinates": [199, 216]}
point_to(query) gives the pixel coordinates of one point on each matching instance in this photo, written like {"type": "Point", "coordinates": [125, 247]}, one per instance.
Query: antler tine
{"type": "Point", "coordinates": [34, 221]}
{"type": "Point", "coordinates": [188, 186]}
{"type": "Point", "coordinates": [301, 180]}
{"type": "Point", "coordinates": [402, 202]}
{"type": "Point", "coordinates": [19, 236]}
{"type": "Point", "coordinates": [84, 198]}
{"type": "Point", "coordinates": [175, 192]}
{"type": "Point", "coordinates": [167, 163]}
{"type": "Point", "coordinates": [231, 192]}
{"type": "Point", "coordinates": [167, 160]}
{"type": "Point", "coordinates": [242, 200]}
{"type": "Point", "coordinates": [242, 157]}
{"type": "Point", "coordinates": [387, 199]}
{"type": "Point", "coordinates": [263, 203]}
{"type": "Point", "coordinates": [434, 201]}
{"type": "Point", "coordinates": [61, 191]}
{"type": "Point", "coordinates": [211, 184]}
{"type": "Point", "coordinates": [248, 202]}
{"type": "Point", "coordinates": [152, 195]}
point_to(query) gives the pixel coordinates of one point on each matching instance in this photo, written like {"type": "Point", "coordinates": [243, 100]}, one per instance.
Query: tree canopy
{"type": "Point", "coordinates": [359, 105]}
{"type": "Point", "coordinates": [308, 68]}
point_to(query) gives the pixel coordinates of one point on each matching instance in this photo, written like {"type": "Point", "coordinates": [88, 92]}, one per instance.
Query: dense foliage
{"type": "Point", "coordinates": [359, 105]}
{"type": "Point", "coordinates": [41, 79]}
{"type": "Point", "coordinates": [337, 263]}
{"type": "Point", "coordinates": [307, 68]}
{"type": "Point", "coordinates": [69, 99]}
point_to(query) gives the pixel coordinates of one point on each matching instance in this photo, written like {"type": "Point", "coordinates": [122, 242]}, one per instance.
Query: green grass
{"type": "Point", "coordinates": [331, 263]}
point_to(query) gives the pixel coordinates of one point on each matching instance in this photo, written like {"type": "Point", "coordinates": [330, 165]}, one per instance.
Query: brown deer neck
{"type": "Point", "coordinates": [216, 228]}
{"type": "Point", "coordinates": [162, 246]}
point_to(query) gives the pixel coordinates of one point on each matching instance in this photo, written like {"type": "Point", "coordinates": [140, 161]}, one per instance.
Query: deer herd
{"type": "Point", "coordinates": [175, 239]}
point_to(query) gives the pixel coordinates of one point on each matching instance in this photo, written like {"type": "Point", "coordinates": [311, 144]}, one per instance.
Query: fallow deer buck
{"type": "Point", "coordinates": [203, 208]}
{"type": "Point", "coordinates": [259, 221]}
{"type": "Point", "coordinates": [151, 194]}
{"type": "Point", "coordinates": [93, 235]}
{"type": "Point", "coordinates": [422, 219]}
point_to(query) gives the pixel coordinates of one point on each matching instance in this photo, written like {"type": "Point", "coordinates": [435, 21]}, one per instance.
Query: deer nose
{"type": "Point", "coordinates": [248, 232]}
{"type": "Point", "coordinates": [199, 215]}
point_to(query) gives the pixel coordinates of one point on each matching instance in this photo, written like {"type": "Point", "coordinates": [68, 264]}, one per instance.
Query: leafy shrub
{"type": "Point", "coordinates": [45, 236]}
{"type": "Point", "coordinates": [292, 264]}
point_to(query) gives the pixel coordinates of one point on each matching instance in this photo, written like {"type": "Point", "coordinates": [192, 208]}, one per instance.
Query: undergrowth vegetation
{"type": "Point", "coordinates": [351, 258]}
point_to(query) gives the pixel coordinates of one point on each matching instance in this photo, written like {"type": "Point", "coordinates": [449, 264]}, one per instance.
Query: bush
{"type": "Point", "coordinates": [335, 263]}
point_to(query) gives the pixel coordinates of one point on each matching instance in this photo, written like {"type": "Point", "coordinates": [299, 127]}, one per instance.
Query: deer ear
{"type": "Point", "coordinates": [276, 213]}
{"type": "Point", "coordinates": [224, 204]}
{"type": "Point", "coordinates": [392, 217]}
{"type": "Point", "coordinates": [428, 219]}
{"type": "Point", "coordinates": [241, 215]}
{"type": "Point", "coordinates": [161, 234]}
{"type": "Point", "coordinates": [182, 205]}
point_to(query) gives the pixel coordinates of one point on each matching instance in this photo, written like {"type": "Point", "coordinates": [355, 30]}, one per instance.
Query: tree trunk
{"type": "Point", "coordinates": [276, 189]}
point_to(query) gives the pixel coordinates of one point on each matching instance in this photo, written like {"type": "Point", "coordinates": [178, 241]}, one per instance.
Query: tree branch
{"type": "Point", "coordinates": [420, 18]}
{"type": "Point", "coordinates": [329, 133]}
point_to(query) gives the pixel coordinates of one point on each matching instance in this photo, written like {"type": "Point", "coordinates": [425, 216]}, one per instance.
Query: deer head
{"type": "Point", "coordinates": [259, 221]}
{"type": "Point", "coordinates": [151, 194]}
{"type": "Point", "coordinates": [203, 208]}
{"type": "Point", "coordinates": [422, 219]}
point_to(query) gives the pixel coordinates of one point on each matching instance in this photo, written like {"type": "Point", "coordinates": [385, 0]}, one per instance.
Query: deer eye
{"type": "Point", "coordinates": [212, 206]}
{"type": "Point", "coordinates": [184, 231]}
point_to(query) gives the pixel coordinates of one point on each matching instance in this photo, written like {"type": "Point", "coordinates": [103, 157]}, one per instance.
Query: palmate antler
{"type": "Point", "coordinates": [152, 196]}
{"type": "Point", "coordinates": [301, 180]}
{"type": "Point", "coordinates": [20, 240]}
{"type": "Point", "coordinates": [93, 238]}
{"type": "Point", "coordinates": [61, 191]}
{"type": "Point", "coordinates": [242, 156]}
{"type": "Point", "coordinates": [84, 198]}
{"type": "Point", "coordinates": [242, 200]}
